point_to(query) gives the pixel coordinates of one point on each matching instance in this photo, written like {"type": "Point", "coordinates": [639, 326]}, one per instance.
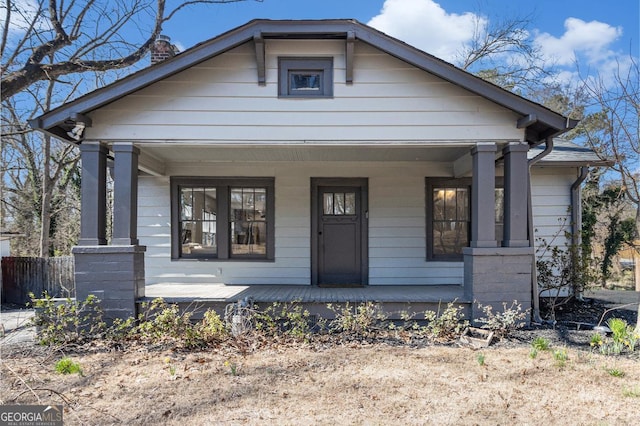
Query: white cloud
{"type": "Point", "coordinates": [588, 40]}
{"type": "Point", "coordinates": [427, 26]}
{"type": "Point", "coordinates": [23, 13]}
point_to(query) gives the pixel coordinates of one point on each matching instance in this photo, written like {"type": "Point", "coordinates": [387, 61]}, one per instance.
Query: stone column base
{"type": "Point", "coordinates": [493, 276]}
{"type": "Point", "coordinates": [114, 274]}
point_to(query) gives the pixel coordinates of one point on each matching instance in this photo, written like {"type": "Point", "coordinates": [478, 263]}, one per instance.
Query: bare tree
{"type": "Point", "coordinates": [502, 52]}
{"type": "Point", "coordinates": [38, 171]}
{"type": "Point", "coordinates": [79, 36]}
{"type": "Point", "coordinates": [613, 130]}
{"type": "Point", "coordinates": [53, 50]}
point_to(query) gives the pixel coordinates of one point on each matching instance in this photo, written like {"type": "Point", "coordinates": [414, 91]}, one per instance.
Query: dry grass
{"type": "Point", "coordinates": [358, 384]}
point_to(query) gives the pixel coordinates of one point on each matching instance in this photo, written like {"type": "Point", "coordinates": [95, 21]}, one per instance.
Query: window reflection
{"type": "Point", "coordinates": [452, 218]}
{"type": "Point", "coordinates": [248, 228]}
{"type": "Point", "coordinates": [339, 203]}
{"type": "Point", "coordinates": [198, 221]}
{"type": "Point", "coordinates": [304, 81]}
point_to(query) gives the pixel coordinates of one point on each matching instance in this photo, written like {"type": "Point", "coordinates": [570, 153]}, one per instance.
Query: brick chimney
{"type": "Point", "coordinates": [162, 49]}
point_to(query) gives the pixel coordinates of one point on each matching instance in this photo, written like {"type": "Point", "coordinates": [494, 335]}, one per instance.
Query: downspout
{"type": "Point", "coordinates": [534, 270]}
{"type": "Point", "coordinates": [576, 217]}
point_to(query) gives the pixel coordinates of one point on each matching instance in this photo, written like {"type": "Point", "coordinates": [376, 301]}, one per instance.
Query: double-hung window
{"type": "Point", "coordinates": [222, 218]}
{"type": "Point", "coordinates": [449, 216]}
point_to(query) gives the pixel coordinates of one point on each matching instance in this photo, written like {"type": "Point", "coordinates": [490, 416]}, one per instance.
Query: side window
{"type": "Point", "coordinates": [449, 217]}
{"type": "Point", "coordinates": [222, 218]}
{"type": "Point", "coordinates": [305, 77]}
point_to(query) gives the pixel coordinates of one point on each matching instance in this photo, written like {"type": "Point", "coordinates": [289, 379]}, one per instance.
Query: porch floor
{"type": "Point", "coordinates": [181, 293]}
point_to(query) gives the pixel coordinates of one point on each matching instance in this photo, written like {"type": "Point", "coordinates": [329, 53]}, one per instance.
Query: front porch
{"type": "Point", "coordinates": [394, 259]}
{"type": "Point", "coordinates": [394, 299]}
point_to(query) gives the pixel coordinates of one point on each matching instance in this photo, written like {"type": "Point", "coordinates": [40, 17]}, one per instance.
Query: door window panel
{"type": "Point", "coordinates": [339, 203]}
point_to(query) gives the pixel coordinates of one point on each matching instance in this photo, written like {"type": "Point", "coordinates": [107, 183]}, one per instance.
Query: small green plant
{"type": "Point", "coordinates": [67, 366]}
{"type": "Point", "coordinates": [540, 344]}
{"type": "Point", "coordinates": [560, 356]}
{"type": "Point", "coordinates": [596, 340]}
{"type": "Point", "coordinates": [623, 338]}
{"type": "Point", "coordinates": [533, 353]}
{"type": "Point", "coordinates": [615, 372]}
{"type": "Point", "coordinates": [503, 323]}
{"type": "Point", "coordinates": [171, 367]}
{"type": "Point", "coordinates": [480, 358]}
{"type": "Point", "coordinates": [232, 366]}
{"type": "Point", "coordinates": [633, 392]}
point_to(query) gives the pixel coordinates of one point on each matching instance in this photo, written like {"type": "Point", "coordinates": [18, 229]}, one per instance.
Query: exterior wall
{"type": "Point", "coordinates": [397, 237]}
{"type": "Point", "coordinates": [551, 200]}
{"type": "Point", "coordinates": [220, 100]}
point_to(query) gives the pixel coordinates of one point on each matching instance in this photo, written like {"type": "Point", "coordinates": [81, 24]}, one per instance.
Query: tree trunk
{"type": "Point", "coordinates": [636, 263]}
{"type": "Point", "coordinates": [47, 184]}
{"type": "Point", "coordinates": [47, 189]}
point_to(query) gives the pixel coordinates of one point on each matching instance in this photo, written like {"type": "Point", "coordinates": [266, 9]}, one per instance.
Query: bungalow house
{"type": "Point", "coordinates": [323, 161]}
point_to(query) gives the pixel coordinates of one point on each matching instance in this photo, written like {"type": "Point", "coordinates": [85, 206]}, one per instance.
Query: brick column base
{"type": "Point", "coordinates": [493, 276]}
{"type": "Point", "coordinates": [114, 274]}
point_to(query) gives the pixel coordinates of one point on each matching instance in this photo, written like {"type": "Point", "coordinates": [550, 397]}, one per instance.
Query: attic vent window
{"type": "Point", "coordinates": [305, 77]}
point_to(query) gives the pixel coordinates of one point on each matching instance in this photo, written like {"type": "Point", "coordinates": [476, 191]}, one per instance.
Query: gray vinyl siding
{"type": "Point", "coordinates": [551, 200]}
{"type": "Point", "coordinates": [396, 228]}
{"type": "Point", "coordinates": [219, 100]}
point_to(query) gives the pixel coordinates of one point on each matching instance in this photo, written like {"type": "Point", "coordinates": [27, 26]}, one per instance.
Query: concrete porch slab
{"type": "Point", "coordinates": [180, 293]}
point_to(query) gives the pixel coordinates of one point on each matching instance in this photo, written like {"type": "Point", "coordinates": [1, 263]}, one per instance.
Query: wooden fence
{"type": "Point", "coordinates": [24, 275]}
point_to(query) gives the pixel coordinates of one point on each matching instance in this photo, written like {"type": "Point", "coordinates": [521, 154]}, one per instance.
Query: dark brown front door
{"type": "Point", "coordinates": [339, 217]}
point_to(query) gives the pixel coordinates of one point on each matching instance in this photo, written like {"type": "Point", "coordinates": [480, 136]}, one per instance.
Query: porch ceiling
{"type": "Point", "coordinates": [252, 153]}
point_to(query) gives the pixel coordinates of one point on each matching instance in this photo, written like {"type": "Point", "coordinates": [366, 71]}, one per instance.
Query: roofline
{"type": "Point", "coordinates": [553, 123]}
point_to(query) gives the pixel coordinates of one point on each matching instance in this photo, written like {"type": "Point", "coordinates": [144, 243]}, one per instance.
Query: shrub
{"type": "Point", "coordinates": [160, 321]}
{"type": "Point", "coordinates": [503, 323]}
{"type": "Point", "coordinates": [446, 325]}
{"type": "Point", "coordinates": [362, 320]}
{"type": "Point", "coordinates": [212, 329]}
{"type": "Point", "coordinates": [288, 319]}
{"type": "Point", "coordinates": [60, 323]}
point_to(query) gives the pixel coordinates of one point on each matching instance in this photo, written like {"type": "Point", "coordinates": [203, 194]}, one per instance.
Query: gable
{"type": "Point", "coordinates": [218, 101]}
{"type": "Point", "coordinates": [537, 121]}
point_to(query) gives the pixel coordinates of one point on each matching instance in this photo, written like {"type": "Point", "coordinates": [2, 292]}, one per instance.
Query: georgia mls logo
{"type": "Point", "coordinates": [31, 415]}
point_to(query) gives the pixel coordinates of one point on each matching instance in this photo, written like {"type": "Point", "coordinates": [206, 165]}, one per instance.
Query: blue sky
{"type": "Point", "coordinates": [597, 34]}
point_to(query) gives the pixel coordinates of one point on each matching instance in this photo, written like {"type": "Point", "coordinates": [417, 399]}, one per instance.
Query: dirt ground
{"type": "Point", "coordinates": [345, 383]}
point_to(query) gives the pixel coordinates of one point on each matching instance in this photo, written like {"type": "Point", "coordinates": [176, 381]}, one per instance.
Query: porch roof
{"type": "Point", "coordinates": [539, 121]}
{"type": "Point", "coordinates": [566, 153]}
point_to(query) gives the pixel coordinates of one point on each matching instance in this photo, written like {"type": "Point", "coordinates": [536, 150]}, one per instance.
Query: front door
{"type": "Point", "coordinates": [339, 224]}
